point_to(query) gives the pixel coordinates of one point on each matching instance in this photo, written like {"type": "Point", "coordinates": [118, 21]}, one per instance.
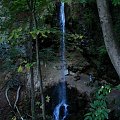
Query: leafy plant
{"type": "Point", "coordinates": [102, 51]}
{"type": "Point", "coordinates": [88, 17]}
{"type": "Point", "coordinates": [47, 54]}
{"type": "Point", "coordinates": [38, 103]}
{"type": "Point", "coordinates": [116, 2]}
{"type": "Point", "coordinates": [98, 108]}
{"type": "Point", "coordinates": [14, 118]}
{"type": "Point", "coordinates": [15, 34]}
{"type": "Point", "coordinates": [118, 87]}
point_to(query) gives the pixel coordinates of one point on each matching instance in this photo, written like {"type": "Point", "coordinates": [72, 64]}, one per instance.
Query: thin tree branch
{"type": "Point", "coordinates": [6, 95]}
{"type": "Point", "coordinates": [17, 96]}
{"type": "Point", "coordinates": [29, 5]}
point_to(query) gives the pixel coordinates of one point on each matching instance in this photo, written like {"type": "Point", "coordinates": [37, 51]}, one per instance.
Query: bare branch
{"type": "Point", "coordinates": [6, 95]}
{"type": "Point", "coordinates": [17, 96]}
{"type": "Point", "coordinates": [15, 104]}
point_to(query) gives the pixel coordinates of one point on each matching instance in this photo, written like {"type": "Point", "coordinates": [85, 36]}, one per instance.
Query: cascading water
{"type": "Point", "coordinates": [60, 111]}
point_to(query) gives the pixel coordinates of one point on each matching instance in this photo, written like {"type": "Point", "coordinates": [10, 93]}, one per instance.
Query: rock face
{"type": "Point", "coordinates": [81, 85]}
{"type": "Point", "coordinates": [52, 75]}
{"type": "Point", "coordinates": [77, 62]}
{"type": "Point", "coordinates": [4, 107]}
{"type": "Point", "coordinates": [114, 102]}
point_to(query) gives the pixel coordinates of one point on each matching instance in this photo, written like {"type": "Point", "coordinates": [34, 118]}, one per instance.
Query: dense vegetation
{"type": "Point", "coordinates": [29, 39]}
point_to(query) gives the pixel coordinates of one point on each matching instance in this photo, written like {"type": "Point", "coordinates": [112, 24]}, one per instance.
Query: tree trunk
{"type": "Point", "coordinates": [32, 5]}
{"type": "Point", "coordinates": [39, 74]}
{"type": "Point", "coordinates": [110, 43]}
{"type": "Point", "coordinates": [31, 73]}
{"type": "Point", "coordinates": [32, 95]}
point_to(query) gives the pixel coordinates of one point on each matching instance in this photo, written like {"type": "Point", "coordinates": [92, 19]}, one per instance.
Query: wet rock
{"type": "Point", "coordinates": [77, 102]}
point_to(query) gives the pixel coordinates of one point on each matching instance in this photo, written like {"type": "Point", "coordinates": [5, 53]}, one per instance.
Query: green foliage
{"type": "Point", "coordinates": [18, 6]}
{"type": "Point", "coordinates": [118, 87]}
{"type": "Point", "coordinates": [98, 108]}
{"type": "Point", "coordinates": [17, 38]}
{"type": "Point", "coordinates": [66, 1]}
{"type": "Point", "coordinates": [41, 32]}
{"type": "Point", "coordinates": [18, 10]}
{"type": "Point", "coordinates": [25, 64]}
{"type": "Point", "coordinates": [29, 65]}
{"type": "Point", "coordinates": [78, 1]}
{"type": "Point", "coordinates": [102, 51]}
{"type": "Point", "coordinates": [116, 2]}
{"type": "Point", "coordinates": [104, 90]}
{"type": "Point", "coordinates": [75, 37]}
{"type": "Point", "coordinates": [47, 54]}
{"type": "Point", "coordinates": [69, 1]}
{"type": "Point", "coordinates": [88, 17]}
{"type": "Point", "coordinates": [20, 69]}
{"type": "Point", "coordinates": [15, 34]}
{"type": "Point", "coordinates": [43, 9]}
{"type": "Point", "coordinates": [14, 118]}
{"type": "Point", "coordinates": [73, 41]}
{"type": "Point", "coordinates": [47, 100]}
{"type": "Point", "coordinates": [10, 57]}
{"type": "Point", "coordinates": [15, 5]}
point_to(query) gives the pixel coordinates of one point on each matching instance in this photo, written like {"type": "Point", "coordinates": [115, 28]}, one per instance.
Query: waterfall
{"type": "Point", "coordinates": [60, 111]}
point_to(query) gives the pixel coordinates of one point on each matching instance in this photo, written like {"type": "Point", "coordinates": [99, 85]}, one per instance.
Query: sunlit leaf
{"type": "Point", "coordinates": [81, 36]}
{"type": "Point", "coordinates": [47, 98]}
{"type": "Point", "coordinates": [27, 66]}
{"type": "Point", "coordinates": [88, 118]}
{"type": "Point", "coordinates": [37, 103]}
{"type": "Point", "coordinates": [41, 106]}
{"type": "Point", "coordinates": [14, 118]}
{"type": "Point", "coordinates": [20, 69]}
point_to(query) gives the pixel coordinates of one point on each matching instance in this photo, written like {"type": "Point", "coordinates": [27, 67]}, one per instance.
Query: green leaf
{"type": "Point", "coordinates": [43, 35]}
{"type": "Point", "coordinates": [116, 2]}
{"type": "Point", "coordinates": [28, 66]}
{"type": "Point", "coordinates": [81, 36]}
{"type": "Point", "coordinates": [100, 97]}
{"type": "Point", "coordinates": [92, 105]}
{"type": "Point", "coordinates": [105, 114]}
{"type": "Point", "coordinates": [88, 114]}
{"type": "Point", "coordinates": [118, 87]}
{"type": "Point", "coordinates": [33, 35]}
{"type": "Point", "coordinates": [14, 118]}
{"type": "Point", "coordinates": [10, 37]}
{"type": "Point", "coordinates": [91, 109]}
{"type": "Point", "coordinates": [88, 118]}
{"type": "Point", "coordinates": [37, 103]}
{"type": "Point", "coordinates": [20, 69]}
{"type": "Point", "coordinates": [47, 98]}
{"type": "Point", "coordinates": [96, 103]}
{"type": "Point", "coordinates": [16, 36]}
{"type": "Point", "coordinates": [41, 106]}
{"type": "Point", "coordinates": [1, 40]}
{"type": "Point", "coordinates": [19, 29]}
